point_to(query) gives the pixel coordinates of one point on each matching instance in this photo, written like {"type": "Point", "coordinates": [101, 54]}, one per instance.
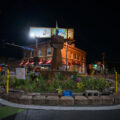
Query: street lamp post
{"type": "Point", "coordinates": [36, 46]}
{"type": "Point", "coordinates": [32, 35]}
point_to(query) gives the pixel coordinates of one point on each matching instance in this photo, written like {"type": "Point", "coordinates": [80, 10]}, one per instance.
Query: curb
{"type": "Point", "coordinates": [4, 102]}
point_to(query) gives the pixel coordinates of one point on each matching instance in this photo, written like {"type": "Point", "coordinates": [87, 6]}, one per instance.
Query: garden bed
{"type": "Point", "coordinates": [58, 99]}
{"type": "Point", "coordinates": [44, 87]}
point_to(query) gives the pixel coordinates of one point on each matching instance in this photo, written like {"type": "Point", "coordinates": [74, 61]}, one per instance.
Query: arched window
{"type": "Point", "coordinates": [40, 53]}
{"type": "Point", "coordinates": [48, 51]}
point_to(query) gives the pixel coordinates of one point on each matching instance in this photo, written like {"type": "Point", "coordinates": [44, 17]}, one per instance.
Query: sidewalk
{"type": "Point", "coordinates": [112, 107]}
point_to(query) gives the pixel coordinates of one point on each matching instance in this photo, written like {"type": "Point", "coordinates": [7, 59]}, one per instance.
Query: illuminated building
{"type": "Point", "coordinates": [76, 58]}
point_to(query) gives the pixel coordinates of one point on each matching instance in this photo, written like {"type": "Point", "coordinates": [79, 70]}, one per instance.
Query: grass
{"type": "Point", "coordinates": [8, 111]}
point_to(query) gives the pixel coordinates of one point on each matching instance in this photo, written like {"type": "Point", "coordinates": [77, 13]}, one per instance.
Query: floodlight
{"type": "Point", "coordinates": [32, 35]}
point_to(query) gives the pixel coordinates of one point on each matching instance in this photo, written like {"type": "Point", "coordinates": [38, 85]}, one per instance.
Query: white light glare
{"type": "Point", "coordinates": [32, 35]}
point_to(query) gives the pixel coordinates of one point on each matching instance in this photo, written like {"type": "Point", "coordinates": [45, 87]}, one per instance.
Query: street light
{"type": "Point", "coordinates": [36, 59]}
{"type": "Point", "coordinates": [32, 35]}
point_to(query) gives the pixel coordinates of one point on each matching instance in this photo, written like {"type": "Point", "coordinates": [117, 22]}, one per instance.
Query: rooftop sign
{"type": "Point", "coordinates": [44, 32]}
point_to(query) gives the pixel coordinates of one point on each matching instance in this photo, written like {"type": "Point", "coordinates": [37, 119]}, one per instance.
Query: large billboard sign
{"type": "Point", "coordinates": [61, 32]}
{"type": "Point", "coordinates": [71, 34]}
{"type": "Point", "coordinates": [41, 32]}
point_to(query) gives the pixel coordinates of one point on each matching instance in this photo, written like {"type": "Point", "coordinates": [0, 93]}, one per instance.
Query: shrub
{"type": "Point", "coordinates": [2, 80]}
{"type": "Point", "coordinates": [51, 87]}
{"type": "Point", "coordinates": [80, 86]}
{"type": "Point", "coordinates": [78, 80]}
{"type": "Point", "coordinates": [70, 84]}
{"type": "Point", "coordinates": [41, 84]}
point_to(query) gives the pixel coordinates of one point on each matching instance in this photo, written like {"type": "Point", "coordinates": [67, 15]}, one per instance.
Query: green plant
{"type": "Point", "coordinates": [41, 84]}
{"type": "Point", "coordinates": [74, 73]}
{"type": "Point", "coordinates": [27, 88]}
{"type": "Point", "coordinates": [59, 90]}
{"type": "Point", "coordinates": [70, 84]}
{"type": "Point", "coordinates": [51, 87]}
{"type": "Point", "coordinates": [3, 81]}
{"type": "Point", "coordinates": [12, 81]}
{"type": "Point", "coordinates": [101, 83]}
{"type": "Point", "coordinates": [80, 86]}
{"type": "Point", "coordinates": [58, 80]}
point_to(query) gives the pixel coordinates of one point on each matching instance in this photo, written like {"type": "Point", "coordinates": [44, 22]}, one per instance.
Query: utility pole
{"type": "Point", "coordinates": [67, 50]}
{"type": "Point", "coordinates": [103, 60]}
{"type": "Point", "coordinates": [66, 53]}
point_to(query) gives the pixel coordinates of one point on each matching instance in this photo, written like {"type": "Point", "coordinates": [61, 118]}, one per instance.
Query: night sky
{"type": "Point", "coordinates": [96, 24]}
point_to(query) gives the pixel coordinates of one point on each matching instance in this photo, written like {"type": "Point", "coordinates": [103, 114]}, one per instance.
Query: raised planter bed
{"type": "Point", "coordinates": [38, 100]}
{"type": "Point", "coordinates": [94, 100]}
{"type": "Point", "coordinates": [52, 100]}
{"type": "Point", "coordinates": [25, 99]}
{"type": "Point", "coordinates": [81, 100]}
{"type": "Point", "coordinates": [49, 99]}
{"type": "Point", "coordinates": [107, 100]}
{"type": "Point", "coordinates": [66, 101]}
{"type": "Point", "coordinates": [117, 99]}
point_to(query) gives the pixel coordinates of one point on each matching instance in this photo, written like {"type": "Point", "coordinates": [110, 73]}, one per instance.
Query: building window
{"type": "Point", "coordinates": [49, 51]}
{"type": "Point", "coordinates": [25, 55]}
{"type": "Point", "coordinates": [74, 56]}
{"type": "Point", "coordinates": [31, 54]}
{"type": "Point", "coordinates": [40, 53]}
{"type": "Point", "coordinates": [80, 58]}
{"type": "Point", "coordinates": [71, 55]}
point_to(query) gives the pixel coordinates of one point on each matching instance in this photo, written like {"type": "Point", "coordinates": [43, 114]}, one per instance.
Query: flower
{"type": "Point", "coordinates": [78, 80]}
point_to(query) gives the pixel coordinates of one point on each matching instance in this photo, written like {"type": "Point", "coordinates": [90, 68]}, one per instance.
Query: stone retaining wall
{"type": "Point", "coordinates": [46, 99]}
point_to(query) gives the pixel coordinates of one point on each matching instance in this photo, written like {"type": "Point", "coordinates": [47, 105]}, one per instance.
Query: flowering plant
{"type": "Point", "coordinates": [78, 80]}
{"type": "Point", "coordinates": [59, 90]}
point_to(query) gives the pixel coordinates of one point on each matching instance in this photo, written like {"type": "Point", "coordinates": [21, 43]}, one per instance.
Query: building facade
{"type": "Point", "coordinates": [76, 58]}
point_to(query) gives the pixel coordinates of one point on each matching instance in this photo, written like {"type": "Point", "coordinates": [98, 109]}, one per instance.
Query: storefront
{"type": "Point", "coordinates": [76, 58]}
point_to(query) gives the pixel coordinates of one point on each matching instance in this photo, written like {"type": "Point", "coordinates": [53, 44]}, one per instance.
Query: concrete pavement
{"type": "Point", "coordinates": [66, 115]}
{"type": "Point", "coordinates": [86, 108]}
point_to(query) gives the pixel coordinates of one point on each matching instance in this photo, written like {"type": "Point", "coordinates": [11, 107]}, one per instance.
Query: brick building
{"type": "Point", "coordinates": [76, 58]}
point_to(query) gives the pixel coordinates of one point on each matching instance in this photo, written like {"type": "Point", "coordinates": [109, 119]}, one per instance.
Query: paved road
{"type": "Point", "coordinates": [66, 115]}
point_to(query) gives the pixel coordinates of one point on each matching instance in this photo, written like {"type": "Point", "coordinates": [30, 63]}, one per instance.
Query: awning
{"type": "Point", "coordinates": [22, 63]}
{"type": "Point", "coordinates": [48, 62]}
{"type": "Point", "coordinates": [40, 61]}
{"type": "Point", "coordinates": [27, 62]}
{"type": "Point", "coordinates": [31, 62]}
{"type": "Point", "coordinates": [76, 62]}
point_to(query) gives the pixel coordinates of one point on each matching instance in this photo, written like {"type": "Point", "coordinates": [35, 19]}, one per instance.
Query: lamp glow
{"type": "Point", "coordinates": [32, 35]}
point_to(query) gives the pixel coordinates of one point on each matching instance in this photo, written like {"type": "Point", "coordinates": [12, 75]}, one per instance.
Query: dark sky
{"type": "Point", "coordinates": [96, 23]}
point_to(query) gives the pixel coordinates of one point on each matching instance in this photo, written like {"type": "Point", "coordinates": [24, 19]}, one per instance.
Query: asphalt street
{"type": "Point", "coordinates": [65, 115]}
